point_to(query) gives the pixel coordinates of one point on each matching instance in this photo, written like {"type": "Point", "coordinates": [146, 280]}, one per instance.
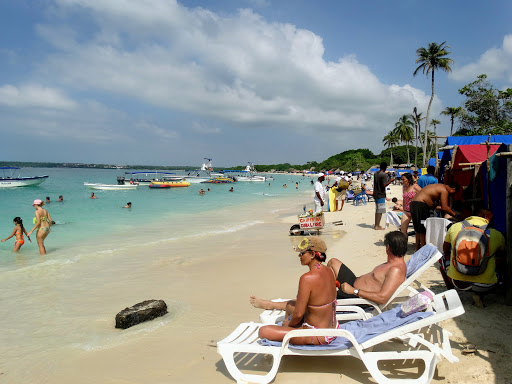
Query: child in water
{"type": "Point", "coordinates": [18, 232]}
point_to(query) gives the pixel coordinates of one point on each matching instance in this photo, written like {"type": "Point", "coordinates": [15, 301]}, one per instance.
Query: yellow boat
{"type": "Point", "coordinates": [169, 184]}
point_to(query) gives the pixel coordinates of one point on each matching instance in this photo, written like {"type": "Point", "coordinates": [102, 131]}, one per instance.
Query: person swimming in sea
{"type": "Point", "coordinates": [43, 222]}
{"type": "Point", "coordinates": [18, 232]}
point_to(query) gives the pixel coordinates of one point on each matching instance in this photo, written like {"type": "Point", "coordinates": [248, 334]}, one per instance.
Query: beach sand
{"type": "Point", "coordinates": [213, 298]}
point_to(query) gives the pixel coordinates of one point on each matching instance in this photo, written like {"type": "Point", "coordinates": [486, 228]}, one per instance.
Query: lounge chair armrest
{"type": "Point", "coordinates": [351, 302]}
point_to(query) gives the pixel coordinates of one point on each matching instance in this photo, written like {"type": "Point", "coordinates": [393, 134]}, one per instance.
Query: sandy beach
{"type": "Point", "coordinates": [213, 299]}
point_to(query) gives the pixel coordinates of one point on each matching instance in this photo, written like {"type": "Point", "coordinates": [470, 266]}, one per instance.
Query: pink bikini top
{"type": "Point", "coordinates": [407, 197]}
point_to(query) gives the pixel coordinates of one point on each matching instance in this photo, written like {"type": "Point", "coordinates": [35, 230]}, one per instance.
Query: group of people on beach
{"type": "Point", "coordinates": [320, 287]}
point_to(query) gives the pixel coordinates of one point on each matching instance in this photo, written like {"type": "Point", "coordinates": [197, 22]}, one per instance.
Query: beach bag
{"type": "Point", "coordinates": [343, 184]}
{"type": "Point", "coordinates": [471, 250]}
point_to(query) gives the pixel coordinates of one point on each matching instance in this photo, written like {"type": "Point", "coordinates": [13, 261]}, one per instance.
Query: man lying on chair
{"type": "Point", "coordinates": [377, 285]}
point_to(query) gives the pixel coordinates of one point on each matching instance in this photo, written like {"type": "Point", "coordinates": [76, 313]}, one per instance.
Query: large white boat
{"type": "Point", "coordinates": [11, 178]}
{"type": "Point", "coordinates": [147, 177]}
{"type": "Point", "coordinates": [248, 174]}
{"type": "Point", "coordinates": [110, 187]}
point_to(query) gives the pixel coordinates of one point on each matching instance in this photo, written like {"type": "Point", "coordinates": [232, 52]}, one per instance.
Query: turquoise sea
{"type": "Point", "coordinates": [83, 223]}
{"type": "Point", "coordinates": [102, 257]}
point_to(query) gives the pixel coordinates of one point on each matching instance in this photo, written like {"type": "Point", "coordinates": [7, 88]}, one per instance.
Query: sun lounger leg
{"type": "Point", "coordinates": [371, 359]}
{"type": "Point", "coordinates": [228, 357]}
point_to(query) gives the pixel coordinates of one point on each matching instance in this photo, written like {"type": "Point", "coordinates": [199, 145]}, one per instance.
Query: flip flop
{"type": "Point", "coordinates": [470, 348]}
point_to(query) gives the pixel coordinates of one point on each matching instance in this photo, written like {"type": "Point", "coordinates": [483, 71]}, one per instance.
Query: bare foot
{"type": "Point", "coordinates": [377, 228]}
{"type": "Point", "coordinates": [260, 303]}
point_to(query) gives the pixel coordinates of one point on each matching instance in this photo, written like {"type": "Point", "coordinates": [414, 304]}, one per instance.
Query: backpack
{"type": "Point", "coordinates": [471, 250]}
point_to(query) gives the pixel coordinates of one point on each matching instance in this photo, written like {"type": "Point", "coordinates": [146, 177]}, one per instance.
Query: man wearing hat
{"type": "Point", "coordinates": [319, 193]}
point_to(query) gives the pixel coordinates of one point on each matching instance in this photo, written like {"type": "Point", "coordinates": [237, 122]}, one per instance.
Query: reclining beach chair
{"type": "Point", "coordinates": [420, 332]}
{"type": "Point", "coordinates": [350, 309]}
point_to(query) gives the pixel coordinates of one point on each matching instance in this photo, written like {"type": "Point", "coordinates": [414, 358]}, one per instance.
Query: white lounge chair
{"type": "Point", "coordinates": [348, 309]}
{"type": "Point", "coordinates": [425, 340]}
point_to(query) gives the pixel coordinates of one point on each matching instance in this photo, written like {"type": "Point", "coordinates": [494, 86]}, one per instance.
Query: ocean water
{"type": "Point", "coordinates": [101, 255]}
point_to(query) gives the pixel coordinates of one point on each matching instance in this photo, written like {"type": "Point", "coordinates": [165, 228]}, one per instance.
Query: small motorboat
{"type": "Point", "coordinates": [9, 179]}
{"type": "Point", "coordinates": [111, 187]}
{"type": "Point", "coordinates": [169, 184]}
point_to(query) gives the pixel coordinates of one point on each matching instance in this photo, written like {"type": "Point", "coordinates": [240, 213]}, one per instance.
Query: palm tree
{"type": "Point", "coordinates": [390, 140]}
{"type": "Point", "coordinates": [453, 112]}
{"type": "Point", "coordinates": [403, 130]}
{"type": "Point", "coordinates": [432, 59]}
{"type": "Point", "coordinates": [434, 122]}
{"type": "Point", "coordinates": [416, 118]}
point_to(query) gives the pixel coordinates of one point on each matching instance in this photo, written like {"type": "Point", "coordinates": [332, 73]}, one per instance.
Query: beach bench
{"type": "Point", "coordinates": [420, 332]}
{"type": "Point", "coordinates": [350, 309]}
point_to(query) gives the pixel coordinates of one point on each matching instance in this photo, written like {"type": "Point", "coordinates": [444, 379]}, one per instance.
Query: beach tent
{"type": "Point", "coordinates": [470, 171]}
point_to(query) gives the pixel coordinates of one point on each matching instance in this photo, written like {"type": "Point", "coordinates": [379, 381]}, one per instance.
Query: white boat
{"type": "Point", "coordinates": [11, 178]}
{"type": "Point", "coordinates": [111, 187]}
{"type": "Point", "coordinates": [248, 174]}
{"type": "Point", "coordinates": [147, 177]}
{"type": "Point", "coordinates": [201, 175]}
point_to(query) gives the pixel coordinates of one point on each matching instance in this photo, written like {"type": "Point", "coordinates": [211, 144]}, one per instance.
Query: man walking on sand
{"type": "Point", "coordinates": [380, 182]}
{"type": "Point", "coordinates": [424, 201]}
{"type": "Point", "coordinates": [319, 193]}
{"type": "Point", "coordinates": [377, 286]}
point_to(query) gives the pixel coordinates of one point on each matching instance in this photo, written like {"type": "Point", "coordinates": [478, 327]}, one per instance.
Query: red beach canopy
{"type": "Point", "coordinates": [472, 153]}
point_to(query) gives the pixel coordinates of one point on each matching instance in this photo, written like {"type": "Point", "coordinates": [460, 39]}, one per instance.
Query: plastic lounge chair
{"type": "Point", "coordinates": [421, 332]}
{"type": "Point", "coordinates": [349, 309]}
{"type": "Point", "coordinates": [350, 195]}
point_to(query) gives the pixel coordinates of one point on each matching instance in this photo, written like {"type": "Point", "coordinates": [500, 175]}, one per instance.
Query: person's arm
{"type": "Point", "coordinates": [320, 198]}
{"type": "Point", "coordinates": [444, 203]}
{"type": "Point", "coordinates": [12, 234]}
{"type": "Point", "coordinates": [38, 223]}
{"type": "Point", "coordinates": [28, 237]}
{"type": "Point", "coordinates": [50, 220]}
{"type": "Point", "coordinates": [302, 302]}
{"type": "Point", "coordinates": [391, 283]}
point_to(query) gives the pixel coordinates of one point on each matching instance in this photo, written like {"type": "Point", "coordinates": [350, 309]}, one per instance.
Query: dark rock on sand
{"type": "Point", "coordinates": [138, 313]}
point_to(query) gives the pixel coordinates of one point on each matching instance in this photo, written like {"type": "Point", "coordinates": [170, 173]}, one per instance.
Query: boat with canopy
{"type": "Point", "coordinates": [11, 178]}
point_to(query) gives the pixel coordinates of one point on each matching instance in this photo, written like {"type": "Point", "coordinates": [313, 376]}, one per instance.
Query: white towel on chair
{"type": "Point", "coordinates": [436, 231]}
{"type": "Point", "coordinates": [393, 218]}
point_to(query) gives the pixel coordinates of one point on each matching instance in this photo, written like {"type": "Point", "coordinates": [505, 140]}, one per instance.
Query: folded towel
{"type": "Point", "coordinates": [363, 330]}
{"type": "Point", "coordinates": [419, 258]}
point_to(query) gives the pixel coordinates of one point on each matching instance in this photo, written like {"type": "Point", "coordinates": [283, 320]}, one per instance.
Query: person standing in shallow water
{"type": "Point", "coordinates": [43, 224]}
{"type": "Point", "coordinates": [18, 231]}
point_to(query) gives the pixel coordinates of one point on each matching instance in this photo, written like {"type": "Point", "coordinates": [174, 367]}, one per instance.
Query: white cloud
{"type": "Point", "coordinates": [34, 96]}
{"type": "Point", "coordinates": [495, 63]}
{"type": "Point", "coordinates": [218, 73]}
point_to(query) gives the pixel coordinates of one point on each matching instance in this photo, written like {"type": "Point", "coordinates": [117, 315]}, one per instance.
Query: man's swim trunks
{"type": "Point", "coordinates": [380, 205]}
{"type": "Point", "coordinates": [345, 275]}
{"type": "Point", "coordinates": [420, 211]}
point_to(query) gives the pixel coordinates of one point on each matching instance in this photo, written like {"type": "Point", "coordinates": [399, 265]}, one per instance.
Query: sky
{"type": "Point", "coordinates": [165, 82]}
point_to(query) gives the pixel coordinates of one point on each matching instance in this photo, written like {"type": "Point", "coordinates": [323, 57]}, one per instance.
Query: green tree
{"type": "Point", "coordinates": [488, 110]}
{"type": "Point", "coordinates": [390, 141]}
{"type": "Point", "coordinates": [403, 130]}
{"type": "Point", "coordinates": [453, 112]}
{"type": "Point", "coordinates": [432, 58]}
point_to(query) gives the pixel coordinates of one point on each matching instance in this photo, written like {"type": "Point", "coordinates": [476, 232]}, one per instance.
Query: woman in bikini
{"type": "Point", "coordinates": [18, 232]}
{"type": "Point", "coordinates": [315, 306]}
{"type": "Point", "coordinates": [409, 191]}
{"type": "Point", "coordinates": [43, 222]}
